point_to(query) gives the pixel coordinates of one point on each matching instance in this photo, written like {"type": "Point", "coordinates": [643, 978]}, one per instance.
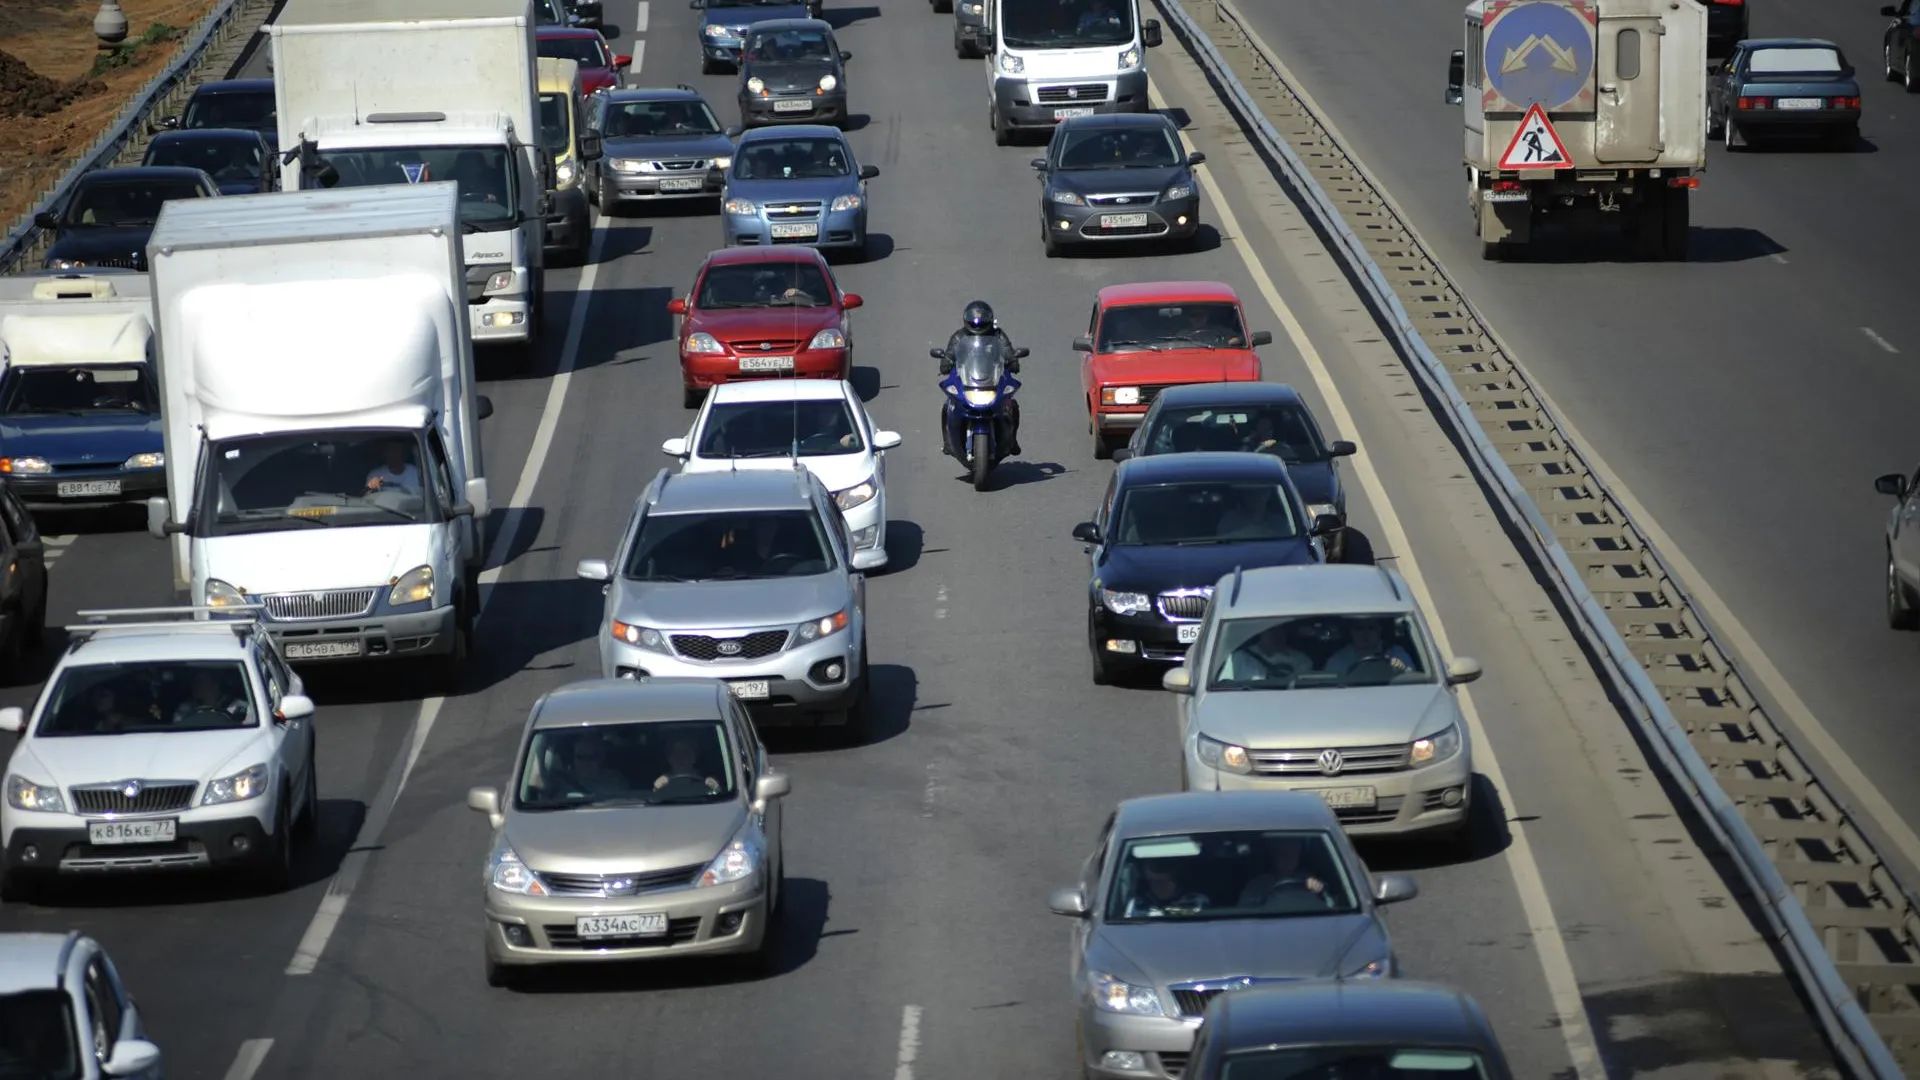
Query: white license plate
{"type": "Point", "coordinates": [1504, 196]}
{"type": "Point", "coordinates": [682, 185]}
{"type": "Point", "coordinates": [1359, 798]}
{"type": "Point", "coordinates": [1188, 634]}
{"type": "Point", "coordinates": [766, 363]}
{"type": "Point", "coordinates": [1067, 114]}
{"type": "Point", "coordinates": [1122, 221]}
{"type": "Point", "coordinates": [319, 650]}
{"type": "Point", "coordinates": [78, 489]}
{"type": "Point", "coordinates": [750, 690]}
{"type": "Point", "coordinates": [645, 924]}
{"type": "Point", "coordinates": [791, 230]}
{"type": "Point", "coordinates": [160, 831]}
{"type": "Point", "coordinates": [795, 105]}
{"type": "Point", "coordinates": [1799, 103]}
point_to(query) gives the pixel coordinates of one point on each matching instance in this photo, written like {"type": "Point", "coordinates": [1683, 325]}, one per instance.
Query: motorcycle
{"type": "Point", "coordinates": [978, 385]}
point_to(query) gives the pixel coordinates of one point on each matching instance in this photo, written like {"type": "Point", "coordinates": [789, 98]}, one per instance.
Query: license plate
{"type": "Point", "coordinates": [77, 489]}
{"type": "Point", "coordinates": [1122, 221]}
{"type": "Point", "coordinates": [766, 363]}
{"type": "Point", "coordinates": [750, 690]}
{"type": "Point", "coordinates": [1187, 635]}
{"type": "Point", "coordinates": [795, 105]}
{"type": "Point", "coordinates": [792, 230]}
{"type": "Point", "coordinates": [1799, 103]}
{"type": "Point", "coordinates": [645, 924]}
{"type": "Point", "coordinates": [1348, 797]}
{"type": "Point", "coordinates": [682, 185]}
{"type": "Point", "coordinates": [319, 650]}
{"type": "Point", "coordinates": [159, 831]}
{"type": "Point", "coordinates": [1503, 196]}
{"type": "Point", "coordinates": [1067, 114]}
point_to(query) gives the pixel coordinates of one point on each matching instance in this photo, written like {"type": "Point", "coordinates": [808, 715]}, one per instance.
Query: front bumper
{"type": "Point", "coordinates": [1029, 103]}
{"type": "Point", "coordinates": [723, 919]}
{"type": "Point", "coordinates": [1162, 219]}
{"type": "Point", "coordinates": [829, 108]}
{"type": "Point", "coordinates": [501, 320]}
{"type": "Point", "coordinates": [1117, 418]}
{"type": "Point", "coordinates": [700, 371]}
{"type": "Point", "coordinates": [1406, 802]}
{"type": "Point", "coordinates": [830, 229]}
{"type": "Point", "coordinates": [615, 184]}
{"type": "Point", "coordinates": [375, 636]}
{"type": "Point", "coordinates": [1794, 119]}
{"type": "Point", "coordinates": [1152, 638]}
{"type": "Point", "coordinates": [867, 525]}
{"type": "Point", "coordinates": [721, 50]}
{"type": "Point", "coordinates": [570, 222]}
{"type": "Point", "coordinates": [210, 838]}
{"type": "Point", "coordinates": [1164, 1042]}
{"type": "Point", "coordinates": [42, 492]}
{"type": "Point", "coordinates": [797, 683]}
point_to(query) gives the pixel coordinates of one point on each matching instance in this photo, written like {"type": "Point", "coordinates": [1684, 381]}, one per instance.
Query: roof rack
{"type": "Point", "coordinates": [185, 619]}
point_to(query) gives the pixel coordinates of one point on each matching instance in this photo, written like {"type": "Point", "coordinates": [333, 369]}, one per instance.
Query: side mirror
{"type": "Point", "coordinates": [1342, 448]}
{"type": "Point", "coordinates": [1083, 344]}
{"type": "Point", "coordinates": [1123, 453]}
{"type": "Point", "coordinates": [13, 718]}
{"type": "Point", "coordinates": [849, 301]}
{"type": "Point", "coordinates": [1196, 158]}
{"type": "Point", "coordinates": [486, 800]}
{"type": "Point", "coordinates": [1087, 531]}
{"type": "Point", "coordinates": [478, 498]}
{"type": "Point", "coordinates": [869, 559]}
{"type": "Point", "coordinates": [868, 172]}
{"type": "Point", "coordinates": [159, 514]}
{"type": "Point", "coordinates": [1393, 888]}
{"type": "Point", "coordinates": [1462, 670]}
{"type": "Point", "coordinates": [1071, 902]}
{"type": "Point", "coordinates": [593, 146]}
{"type": "Point", "coordinates": [1039, 163]}
{"type": "Point", "coordinates": [1259, 338]}
{"type": "Point", "coordinates": [845, 56]}
{"type": "Point", "coordinates": [886, 440]}
{"type": "Point", "coordinates": [985, 38]}
{"type": "Point", "coordinates": [733, 131]}
{"type": "Point", "coordinates": [46, 219]}
{"type": "Point", "coordinates": [937, 354]}
{"type": "Point", "coordinates": [674, 448]}
{"type": "Point", "coordinates": [1456, 77]}
{"type": "Point", "coordinates": [1894, 484]}
{"type": "Point", "coordinates": [677, 306]}
{"type": "Point", "coordinates": [623, 61]}
{"type": "Point", "coordinates": [1150, 34]}
{"type": "Point", "coordinates": [774, 785]}
{"type": "Point", "coordinates": [593, 570]}
{"type": "Point", "coordinates": [482, 406]}
{"type": "Point", "coordinates": [166, 123]}
{"type": "Point", "coordinates": [294, 707]}
{"type": "Point", "coordinates": [1325, 525]}
{"type": "Point", "coordinates": [1179, 680]}
{"type": "Point", "coordinates": [131, 1057]}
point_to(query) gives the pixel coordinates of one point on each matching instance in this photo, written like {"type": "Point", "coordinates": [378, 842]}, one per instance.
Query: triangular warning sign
{"type": "Point", "coordinates": [1536, 145]}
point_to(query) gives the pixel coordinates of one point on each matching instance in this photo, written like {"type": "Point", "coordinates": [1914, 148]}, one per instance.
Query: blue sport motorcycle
{"type": "Point", "coordinates": [979, 389]}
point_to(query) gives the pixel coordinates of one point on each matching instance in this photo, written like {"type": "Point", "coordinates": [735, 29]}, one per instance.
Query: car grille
{"type": "Point", "coordinates": [152, 798]}
{"type": "Point", "coordinates": [773, 346]}
{"type": "Point", "coordinates": [1077, 94]}
{"type": "Point", "coordinates": [1194, 1002]}
{"type": "Point", "coordinates": [1353, 759]}
{"type": "Point", "coordinates": [337, 604]}
{"type": "Point", "coordinates": [1173, 1064]}
{"type": "Point", "coordinates": [1130, 199]}
{"type": "Point", "coordinates": [679, 932]}
{"type": "Point", "coordinates": [752, 646]}
{"type": "Point", "coordinates": [797, 210]}
{"type": "Point", "coordinates": [680, 165]}
{"type": "Point", "coordinates": [625, 884]}
{"type": "Point", "coordinates": [1380, 813]}
{"type": "Point", "coordinates": [1184, 605]}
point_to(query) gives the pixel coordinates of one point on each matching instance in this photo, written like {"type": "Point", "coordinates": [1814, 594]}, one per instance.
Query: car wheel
{"type": "Point", "coordinates": [1047, 242]}
{"type": "Point", "coordinates": [1102, 448]}
{"type": "Point", "coordinates": [1735, 135]}
{"type": "Point", "coordinates": [451, 665]}
{"type": "Point", "coordinates": [1901, 613]}
{"type": "Point", "coordinates": [708, 67]}
{"type": "Point", "coordinates": [1886, 62]}
{"type": "Point", "coordinates": [857, 726]}
{"type": "Point", "coordinates": [1002, 135]}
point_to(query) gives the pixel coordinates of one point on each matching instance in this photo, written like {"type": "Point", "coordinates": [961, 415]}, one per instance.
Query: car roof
{"type": "Point", "coordinates": [246, 135]}
{"type": "Point", "coordinates": [1165, 292]}
{"type": "Point", "coordinates": [1317, 589]}
{"type": "Point", "coordinates": [1776, 42]}
{"type": "Point", "coordinates": [109, 644]}
{"type": "Point", "coordinates": [145, 172]}
{"type": "Point", "coordinates": [730, 393]}
{"type": "Point", "coordinates": [552, 31]}
{"type": "Point", "coordinates": [725, 492]}
{"type": "Point", "coordinates": [1118, 120]}
{"type": "Point", "coordinates": [784, 253]}
{"type": "Point", "coordinates": [628, 701]}
{"type": "Point", "coordinates": [1400, 1011]}
{"type": "Point", "coordinates": [790, 24]}
{"type": "Point", "coordinates": [651, 93]}
{"type": "Point", "coordinates": [1201, 465]}
{"type": "Point", "coordinates": [33, 960]}
{"type": "Point", "coordinates": [1230, 393]}
{"type": "Point", "coordinates": [235, 86]}
{"type": "Point", "coordinates": [1211, 811]}
{"type": "Point", "coordinates": [792, 131]}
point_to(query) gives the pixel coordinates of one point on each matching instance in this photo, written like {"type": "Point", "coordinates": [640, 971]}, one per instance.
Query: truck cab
{"type": "Point", "coordinates": [573, 147]}
{"type": "Point", "coordinates": [1047, 62]}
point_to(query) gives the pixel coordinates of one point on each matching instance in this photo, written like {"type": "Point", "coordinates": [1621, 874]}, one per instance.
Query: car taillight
{"type": "Point", "coordinates": [1729, 3]}
{"type": "Point", "coordinates": [1845, 103]}
{"type": "Point", "coordinates": [1747, 103]}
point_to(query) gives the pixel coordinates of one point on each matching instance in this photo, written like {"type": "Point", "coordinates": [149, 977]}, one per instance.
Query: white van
{"type": "Point", "coordinates": [1048, 60]}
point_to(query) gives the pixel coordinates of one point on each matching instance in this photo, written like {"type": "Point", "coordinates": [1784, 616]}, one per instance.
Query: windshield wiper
{"type": "Point", "coordinates": [271, 515]}
{"type": "Point", "coordinates": [782, 451]}
{"type": "Point", "coordinates": [1126, 344]}
{"type": "Point", "coordinates": [683, 800]}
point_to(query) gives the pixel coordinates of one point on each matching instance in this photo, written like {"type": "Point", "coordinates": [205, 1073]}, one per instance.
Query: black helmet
{"type": "Point", "coordinates": [978, 318]}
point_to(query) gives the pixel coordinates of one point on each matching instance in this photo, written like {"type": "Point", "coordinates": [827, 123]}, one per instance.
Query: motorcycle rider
{"type": "Point", "coordinates": [977, 320]}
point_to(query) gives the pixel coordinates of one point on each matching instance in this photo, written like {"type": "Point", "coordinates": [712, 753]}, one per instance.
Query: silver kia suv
{"type": "Point", "coordinates": [746, 577]}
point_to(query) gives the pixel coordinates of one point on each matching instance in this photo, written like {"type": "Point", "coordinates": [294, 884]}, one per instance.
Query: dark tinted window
{"type": "Point", "coordinates": [1204, 512]}
{"type": "Point", "coordinates": [62, 390]}
{"type": "Point", "coordinates": [1283, 430]}
{"type": "Point", "coordinates": [147, 697]}
{"type": "Point", "coordinates": [127, 202]}
{"type": "Point", "coordinates": [1229, 875]}
{"type": "Point", "coordinates": [627, 764]}
{"type": "Point", "coordinates": [1067, 24]}
{"type": "Point", "coordinates": [760, 429]}
{"type": "Point", "coordinates": [587, 52]}
{"type": "Point", "coordinates": [227, 160]}
{"type": "Point", "coordinates": [253, 111]}
{"type": "Point", "coordinates": [1119, 148]}
{"type": "Point", "coordinates": [633, 119]}
{"type": "Point", "coordinates": [729, 547]}
{"type": "Point", "coordinates": [1352, 1063]}
{"type": "Point", "coordinates": [785, 284]}
{"type": "Point", "coordinates": [790, 47]}
{"type": "Point", "coordinates": [36, 1037]}
{"type": "Point", "coordinates": [554, 129]}
{"type": "Point", "coordinates": [792, 159]}
{"type": "Point", "coordinates": [1158, 327]}
{"type": "Point", "coordinates": [485, 175]}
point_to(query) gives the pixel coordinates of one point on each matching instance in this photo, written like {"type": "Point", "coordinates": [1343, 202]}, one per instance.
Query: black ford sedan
{"type": "Point", "coordinates": [1116, 176]}
{"type": "Point", "coordinates": [793, 71]}
{"type": "Point", "coordinates": [1387, 1029]}
{"type": "Point", "coordinates": [111, 213]}
{"type": "Point", "coordinates": [1784, 86]}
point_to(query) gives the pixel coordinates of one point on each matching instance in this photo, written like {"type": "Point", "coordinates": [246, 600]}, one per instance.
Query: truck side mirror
{"type": "Point", "coordinates": [159, 519]}
{"type": "Point", "coordinates": [1150, 33]}
{"type": "Point", "coordinates": [985, 38]}
{"type": "Point", "coordinates": [477, 497]}
{"type": "Point", "coordinates": [592, 146]}
{"type": "Point", "coordinates": [1457, 77]}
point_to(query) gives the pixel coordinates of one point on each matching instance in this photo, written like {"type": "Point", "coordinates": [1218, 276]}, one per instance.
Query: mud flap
{"type": "Point", "coordinates": [1505, 222]}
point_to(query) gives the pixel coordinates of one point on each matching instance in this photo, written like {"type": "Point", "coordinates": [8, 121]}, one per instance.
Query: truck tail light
{"type": "Point", "coordinates": [1729, 3]}
{"type": "Point", "coordinates": [1508, 185]}
{"type": "Point", "coordinates": [1750, 103]}
{"type": "Point", "coordinates": [1683, 181]}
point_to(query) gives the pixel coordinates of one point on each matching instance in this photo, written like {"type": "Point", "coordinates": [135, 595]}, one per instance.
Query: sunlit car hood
{"type": "Point", "coordinates": [1294, 948]}
{"type": "Point", "coordinates": [1118, 181]}
{"type": "Point", "coordinates": [755, 324]}
{"type": "Point", "coordinates": [782, 190]}
{"type": "Point", "coordinates": [729, 605]}
{"type": "Point", "coordinates": [1169, 366]}
{"type": "Point", "coordinates": [659, 147]}
{"type": "Point", "coordinates": [1153, 568]}
{"type": "Point", "coordinates": [1327, 716]}
{"type": "Point", "coordinates": [623, 839]}
{"type": "Point", "coordinates": [198, 756]}
{"type": "Point", "coordinates": [104, 439]}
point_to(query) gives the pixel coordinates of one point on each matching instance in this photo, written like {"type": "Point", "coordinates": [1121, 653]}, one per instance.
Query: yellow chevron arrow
{"type": "Point", "coordinates": [1517, 57]}
{"type": "Point", "coordinates": [1562, 58]}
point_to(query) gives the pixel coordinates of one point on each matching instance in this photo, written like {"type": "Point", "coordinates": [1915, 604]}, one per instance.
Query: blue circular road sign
{"type": "Point", "coordinates": [1539, 54]}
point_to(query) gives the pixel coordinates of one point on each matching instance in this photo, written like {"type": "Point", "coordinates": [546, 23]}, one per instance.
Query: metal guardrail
{"type": "Point", "coordinates": [1830, 901]}
{"type": "Point", "coordinates": [206, 51]}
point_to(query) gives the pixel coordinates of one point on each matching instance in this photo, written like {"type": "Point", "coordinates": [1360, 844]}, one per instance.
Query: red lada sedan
{"type": "Point", "coordinates": [763, 313]}
{"type": "Point", "coordinates": [1146, 337]}
{"type": "Point", "coordinates": [599, 68]}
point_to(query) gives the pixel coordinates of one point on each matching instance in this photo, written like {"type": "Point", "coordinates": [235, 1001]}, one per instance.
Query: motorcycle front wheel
{"type": "Point", "coordinates": [982, 460]}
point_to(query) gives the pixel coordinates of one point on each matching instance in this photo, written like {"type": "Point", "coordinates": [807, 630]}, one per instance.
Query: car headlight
{"type": "Point", "coordinates": [1223, 756]}
{"type": "Point", "coordinates": [845, 202]}
{"type": "Point", "coordinates": [867, 537]}
{"type": "Point", "coordinates": [1125, 603]}
{"type": "Point", "coordinates": [153, 460]}
{"type": "Point", "coordinates": [507, 873]}
{"type": "Point", "coordinates": [1065, 197]}
{"type": "Point", "coordinates": [739, 859]}
{"type": "Point", "coordinates": [25, 794]}
{"type": "Point", "coordinates": [1120, 395]}
{"type": "Point", "coordinates": [970, 9]}
{"type": "Point", "coordinates": [563, 174]}
{"type": "Point", "coordinates": [1011, 64]}
{"type": "Point", "coordinates": [645, 637]}
{"type": "Point", "coordinates": [756, 85]}
{"type": "Point", "coordinates": [248, 783]}
{"type": "Point", "coordinates": [1439, 746]}
{"type": "Point", "coordinates": [1129, 59]}
{"type": "Point", "coordinates": [414, 586]}
{"type": "Point", "coordinates": [1118, 996]}
{"type": "Point", "coordinates": [828, 82]}
{"type": "Point", "coordinates": [626, 165]}
{"type": "Point", "coordinates": [740, 206]}
{"type": "Point", "coordinates": [219, 594]}
{"type": "Point", "coordinates": [1178, 191]}
{"type": "Point", "coordinates": [819, 628]}
{"type": "Point", "coordinates": [24, 465]}
{"type": "Point", "coordinates": [981, 398]}
{"type": "Point", "coordinates": [714, 31]}
{"type": "Point", "coordinates": [500, 282]}
{"type": "Point", "coordinates": [830, 338]}
{"type": "Point", "coordinates": [857, 495]}
{"type": "Point", "coordinates": [699, 342]}
{"type": "Point", "coordinates": [66, 264]}
{"type": "Point", "coordinates": [723, 161]}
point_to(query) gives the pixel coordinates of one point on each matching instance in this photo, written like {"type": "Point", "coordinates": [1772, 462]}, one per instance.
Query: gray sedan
{"type": "Point", "coordinates": [1781, 86]}
{"type": "Point", "coordinates": [1190, 895]}
{"type": "Point", "coordinates": [658, 144]}
{"type": "Point", "coordinates": [796, 185]}
{"type": "Point", "coordinates": [1121, 176]}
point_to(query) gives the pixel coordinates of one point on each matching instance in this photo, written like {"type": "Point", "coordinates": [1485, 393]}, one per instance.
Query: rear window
{"type": "Point", "coordinates": [1797, 60]}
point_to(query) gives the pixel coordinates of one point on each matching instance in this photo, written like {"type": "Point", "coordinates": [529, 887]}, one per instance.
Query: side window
{"type": "Point", "coordinates": [103, 1009]}
{"type": "Point", "coordinates": [1106, 503]}
{"type": "Point", "coordinates": [18, 521]}
{"type": "Point", "coordinates": [1096, 862]}
{"type": "Point", "coordinates": [1476, 55]}
{"type": "Point", "coordinates": [276, 686]}
{"type": "Point", "coordinates": [1093, 320]}
{"type": "Point", "coordinates": [442, 472]}
{"type": "Point", "coordinates": [1626, 55]}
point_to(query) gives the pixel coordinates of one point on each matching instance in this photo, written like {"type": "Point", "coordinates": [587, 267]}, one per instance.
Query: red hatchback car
{"type": "Point", "coordinates": [1146, 337]}
{"type": "Point", "coordinates": [763, 313]}
{"type": "Point", "coordinates": [599, 68]}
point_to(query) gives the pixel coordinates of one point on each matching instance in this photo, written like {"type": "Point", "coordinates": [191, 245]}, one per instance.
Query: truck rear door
{"type": "Point", "coordinates": [1626, 128]}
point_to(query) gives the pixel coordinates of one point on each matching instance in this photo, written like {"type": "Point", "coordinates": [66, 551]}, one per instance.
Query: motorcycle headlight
{"type": "Point", "coordinates": [740, 206]}
{"type": "Point", "coordinates": [819, 628]}
{"type": "Point", "coordinates": [1223, 756]}
{"type": "Point", "coordinates": [645, 637]}
{"type": "Point", "coordinates": [25, 794]}
{"type": "Point", "coordinates": [1178, 191]}
{"type": "Point", "coordinates": [154, 460]}
{"type": "Point", "coordinates": [1065, 197]}
{"type": "Point", "coordinates": [626, 165]}
{"type": "Point", "coordinates": [845, 202]}
{"type": "Point", "coordinates": [699, 342]}
{"type": "Point", "coordinates": [248, 783]}
{"type": "Point", "coordinates": [1011, 64]}
{"type": "Point", "coordinates": [1120, 395]}
{"type": "Point", "coordinates": [828, 82]}
{"type": "Point", "coordinates": [219, 594]}
{"type": "Point", "coordinates": [830, 338]}
{"type": "Point", "coordinates": [507, 873]}
{"type": "Point", "coordinates": [28, 465]}
{"type": "Point", "coordinates": [1129, 59]}
{"type": "Point", "coordinates": [1439, 746]}
{"type": "Point", "coordinates": [1125, 603]}
{"type": "Point", "coordinates": [981, 398]}
{"type": "Point", "coordinates": [739, 859]}
{"type": "Point", "coordinates": [563, 174]}
{"type": "Point", "coordinates": [1119, 996]}
{"type": "Point", "coordinates": [857, 495]}
{"type": "Point", "coordinates": [414, 587]}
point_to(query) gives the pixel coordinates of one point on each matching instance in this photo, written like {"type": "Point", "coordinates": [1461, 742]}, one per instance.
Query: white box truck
{"type": "Point", "coordinates": [371, 93]}
{"type": "Point", "coordinates": [316, 380]}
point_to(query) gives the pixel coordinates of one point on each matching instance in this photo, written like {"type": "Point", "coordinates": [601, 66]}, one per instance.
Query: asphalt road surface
{"type": "Point", "coordinates": [1582, 914]}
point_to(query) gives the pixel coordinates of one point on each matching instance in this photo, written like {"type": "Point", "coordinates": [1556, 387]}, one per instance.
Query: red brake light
{"type": "Point", "coordinates": [1507, 185]}
{"type": "Point", "coordinates": [1845, 103]}
{"type": "Point", "coordinates": [1730, 3]}
{"type": "Point", "coordinates": [1754, 103]}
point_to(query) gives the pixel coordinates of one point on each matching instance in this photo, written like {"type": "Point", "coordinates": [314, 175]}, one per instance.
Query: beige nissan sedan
{"type": "Point", "coordinates": [642, 821]}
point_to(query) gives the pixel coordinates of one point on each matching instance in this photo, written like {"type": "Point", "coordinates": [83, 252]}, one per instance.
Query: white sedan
{"type": "Point", "coordinates": [821, 423]}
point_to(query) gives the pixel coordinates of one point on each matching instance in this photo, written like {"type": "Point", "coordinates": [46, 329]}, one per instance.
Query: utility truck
{"type": "Point", "coordinates": [317, 389]}
{"type": "Point", "coordinates": [1583, 110]}
{"type": "Point", "coordinates": [369, 93]}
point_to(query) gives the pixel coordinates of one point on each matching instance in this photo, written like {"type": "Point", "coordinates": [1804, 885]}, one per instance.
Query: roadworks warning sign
{"type": "Point", "coordinates": [1536, 145]}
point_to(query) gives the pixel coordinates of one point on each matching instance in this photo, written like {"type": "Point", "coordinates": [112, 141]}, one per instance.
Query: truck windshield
{"type": "Point", "coordinates": [317, 480]}
{"type": "Point", "coordinates": [555, 132]}
{"type": "Point", "coordinates": [488, 199]}
{"type": "Point", "coordinates": [78, 390]}
{"type": "Point", "coordinates": [1067, 24]}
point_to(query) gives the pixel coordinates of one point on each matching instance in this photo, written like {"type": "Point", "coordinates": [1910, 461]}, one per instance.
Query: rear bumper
{"type": "Point", "coordinates": [1794, 119]}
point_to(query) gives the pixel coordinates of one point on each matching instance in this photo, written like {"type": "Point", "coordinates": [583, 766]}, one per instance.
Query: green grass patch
{"type": "Point", "coordinates": [129, 52]}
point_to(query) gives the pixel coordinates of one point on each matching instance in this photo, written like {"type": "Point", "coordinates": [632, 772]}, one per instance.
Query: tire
{"type": "Point", "coordinates": [982, 460]}
{"type": "Point", "coordinates": [1102, 449]}
{"type": "Point", "coordinates": [708, 67]}
{"type": "Point", "coordinates": [1716, 129]}
{"type": "Point", "coordinates": [1735, 135]}
{"type": "Point", "coordinates": [451, 665]}
{"type": "Point", "coordinates": [307, 825]}
{"type": "Point", "coordinates": [857, 723]}
{"type": "Point", "coordinates": [1648, 223]}
{"type": "Point", "coordinates": [274, 871]}
{"type": "Point", "coordinates": [1901, 612]}
{"type": "Point", "coordinates": [1002, 136]}
{"type": "Point", "coordinates": [1047, 243]}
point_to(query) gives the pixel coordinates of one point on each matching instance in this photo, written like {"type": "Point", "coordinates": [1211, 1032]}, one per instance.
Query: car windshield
{"type": "Point", "coordinates": [588, 52]}
{"type": "Point", "coordinates": [1229, 875]}
{"type": "Point", "coordinates": [37, 1037]}
{"type": "Point", "coordinates": [78, 390]}
{"type": "Point", "coordinates": [1119, 148]}
{"type": "Point", "coordinates": [790, 47]}
{"type": "Point", "coordinates": [485, 175]}
{"type": "Point", "coordinates": [641, 119]}
{"type": "Point", "coordinates": [1284, 430]}
{"type": "Point", "coordinates": [127, 203]}
{"type": "Point", "coordinates": [555, 131]}
{"type": "Point", "coordinates": [733, 546]}
{"type": "Point", "coordinates": [1066, 24]}
{"type": "Point", "coordinates": [1352, 1063]}
{"type": "Point", "coordinates": [338, 479]}
{"type": "Point", "coordinates": [253, 111]}
{"type": "Point", "coordinates": [763, 284]}
{"type": "Point", "coordinates": [146, 697]}
{"type": "Point", "coordinates": [228, 160]}
{"type": "Point", "coordinates": [1204, 512]}
{"type": "Point", "coordinates": [1797, 60]}
{"type": "Point", "coordinates": [1310, 652]}
{"type": "Point", "coordinates": [672, 763]}
{"type": "Point", "coordinates": [770, 429]}
{"type": "Point", "coordinates": [1158, 327]}
{"type": "Point", "coordinates": [792, 159]}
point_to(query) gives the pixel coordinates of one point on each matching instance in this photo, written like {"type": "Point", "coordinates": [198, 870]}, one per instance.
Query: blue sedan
{"type": "Point", "coordinates": [796, 185]}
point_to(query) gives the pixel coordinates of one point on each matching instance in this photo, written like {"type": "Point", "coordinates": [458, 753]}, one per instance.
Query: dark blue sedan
{"type": "Point", "coordinates": [240, 161]}
{"type": "Point", "coordinates": [77, 434]}
{"type": "Point", "coordinates": [1784, 86]}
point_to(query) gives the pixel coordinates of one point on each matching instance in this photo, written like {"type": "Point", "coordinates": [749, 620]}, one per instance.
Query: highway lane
{"type": "Point", "coordinates": [1746, 398]}
{"type": "Point", "coordinates": [920, 864]}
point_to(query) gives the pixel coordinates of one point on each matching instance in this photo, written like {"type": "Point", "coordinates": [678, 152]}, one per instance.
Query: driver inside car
{"type": "Point", "coordinates": [207, 699]}
{"type": "Point", "coordinates": [683, 763]}
{"type": "Point", "coordinates": [1368, 642]}
{"type": "Point", "coordinates": [1159, 895]}
{"type": "Point", "coordinates": [1284, 874]}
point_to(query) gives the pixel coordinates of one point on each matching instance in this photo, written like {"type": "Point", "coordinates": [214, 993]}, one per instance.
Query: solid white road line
{"type": "Point", "coordinates": [909, 1043]}
{"type": "Point", "coordinates": [247, 1061]}
{"type": "Point", "coordinates": [1575, 1026]}
{"type": "Point", "coordinates": [306, 956]}
{"type": "Point", "coordinates": [1878, 340]}
{"type": "Point", "coordinates": [640, 18]}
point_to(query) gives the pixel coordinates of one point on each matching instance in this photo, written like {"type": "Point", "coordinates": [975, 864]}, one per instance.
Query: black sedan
{"type": "Point", "coordinates": [111, 213]}
{"type": "Point", "coordinates": [1782, 86]}
{"type": "Point", "coordinates": [793, 71]}
{"type": "Point", "coordinates": [1381, 1028]}
{"type": "Point", "coordinates": [240, 161]}
{"type": "Point", "coordinates": [1116, 176]}
{"type": "Point", "coordinates": [1167, 529]}
{"type": "Point", "coordinates": [1727, 23]}
{"type": "Point", "coordinates": [1266, 418]}
{"type": "Point", "coordinates": [230, 103]}
{"type": "Point", "coordinates": [1900, 42]}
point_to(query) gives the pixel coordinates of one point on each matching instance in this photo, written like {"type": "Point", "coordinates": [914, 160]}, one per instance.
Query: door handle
{"type": "Point", "coordinates": [1608, 88]}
